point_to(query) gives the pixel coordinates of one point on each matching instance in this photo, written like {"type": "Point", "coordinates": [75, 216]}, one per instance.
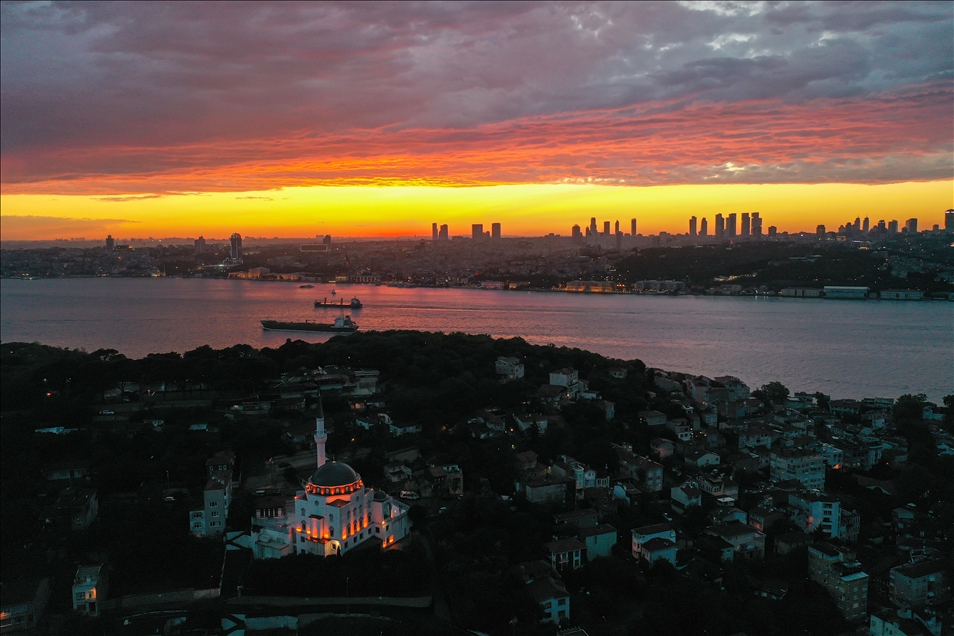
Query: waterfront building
{"type": "Point", "coordinates": [846, 292]}
{"type": "Point", "coordinates": [840, 574]}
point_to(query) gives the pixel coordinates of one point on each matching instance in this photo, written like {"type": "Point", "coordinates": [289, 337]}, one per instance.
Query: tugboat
{"type": "Point", "coordinates": [342, 324]}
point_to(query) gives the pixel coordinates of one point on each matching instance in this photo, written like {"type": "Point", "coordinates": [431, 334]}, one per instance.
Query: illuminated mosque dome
{"type": "Point", "coordinates": [334, 478]}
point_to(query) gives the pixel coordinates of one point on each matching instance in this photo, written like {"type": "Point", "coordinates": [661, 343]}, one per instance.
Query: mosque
{"type": "Point", "coordinates": [335, 513]}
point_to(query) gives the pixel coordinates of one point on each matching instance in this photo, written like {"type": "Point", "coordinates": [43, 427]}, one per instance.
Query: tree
{"type": "Point", "coordinates": [909, 407]}
{"type": "Point", "coordinates": [775, 392]}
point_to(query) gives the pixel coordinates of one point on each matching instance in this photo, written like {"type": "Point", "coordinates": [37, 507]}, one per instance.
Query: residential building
{"type": "Point", "coordinates": [89, 589]}
{"type": "Point", "coordinates": [599, 540]}
{"type": "Point", "coordinates": [683, 497]}
{"type": "Point", "coordinates": [550, 594]}
{"type": "Point", "coordinates": [801, 464]}
{"type": "Point", "coordinates": [660, 549]}
{"type": "Point", "coordinates": [22, 603]}
{"type": "Point", "coordinates": [662, 447]}
{"type": "Point", "coordinates": [837, 571]}
{"type": "Point", "coordinates": [653, 418]}
{"type": "Point", "coordinates": [645, 534]}
{"type": "Point", "coordinates": [746, 541]}
{"type": "Point", "coordinates": [509, 368]}
{"type": "Point", "coordinates": [565, 554]}
{"type": "Point", "coordinates": [919, 584]}
{"type": "Point", "coordinates": [814, 510]}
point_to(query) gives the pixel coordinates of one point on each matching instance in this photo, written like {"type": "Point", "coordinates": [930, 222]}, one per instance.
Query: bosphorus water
{"type": "Point", "coordinates": [848, 349]}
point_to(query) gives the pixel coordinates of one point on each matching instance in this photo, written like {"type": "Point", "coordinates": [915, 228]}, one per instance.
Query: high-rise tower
{"type": "Point", "coordinates": [692, 226]}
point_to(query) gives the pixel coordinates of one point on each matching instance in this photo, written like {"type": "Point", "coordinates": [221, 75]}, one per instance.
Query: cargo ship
{"type": "Point", "coordinates": [353, 304]}
{"type": "Point", "coordinates": [342, 324]}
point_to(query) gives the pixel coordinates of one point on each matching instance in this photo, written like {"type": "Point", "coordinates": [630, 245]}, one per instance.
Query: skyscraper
{"type": "Point", "coordinates": [434, 232]}
{"type": "Point", "coordinates": [236, 252]}
{"type": "Point", "coordinates": [756, 225]}
{"type": "Point", "coordinates": [911, 225]}
{"type": "Point", "coordinates": [593, 226]}
{"type": "Point", "coordinates": [444, 234]}
{"type": "Point", "coordinates": [692, 225]}
{"type": "Point", "coordinates": [200, 245]}
{"type": "Point", "coordinates": [866, 225]}
{"type": "Point", "coordinates": [606, 228]}
{"type": "Point", "coordinates": [731, 225]}
{"type": "Point", "coordinates": [719, 227]}
{"type": "Point", "coordinates": [949, 220]}
{"type": "Point", "coordinates": [745, 224]}
{"type": "Point", "coordinates": [893, 226]}
{"type": "Point", "coordinates": [773, 231]}
{"type": "Point", "coordinates": [820, 230]}
{"type": "Point", "coordinates": [632, 227]}
{"type": "Point", "coordinates": [577, 234]}
{"type": "Point", "coordinates": [477, 231]}
{"type": "Point", "coordinates": [704, 227]}
{"type": "Point", "coordinates": [495, 231]}
{"type": "Point", "coordinates": [110, 243]}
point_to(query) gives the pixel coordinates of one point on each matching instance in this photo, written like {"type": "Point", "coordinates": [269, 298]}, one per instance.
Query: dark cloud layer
{"type": "Point", "coordinates": [155, 97]}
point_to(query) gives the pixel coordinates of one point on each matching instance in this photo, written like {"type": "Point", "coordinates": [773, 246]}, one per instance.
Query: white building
{"type": "Point", "coordinates": [216, 497]}
{"type": "Point", "coordinates": [509, 368]}
{"type": "Point", "coordinates": [89, 589]}
{"type": "Point", "coordinates": [333, 514]}
{"type": "Point", "coordinates": [803, 465]}
{"type": "Point", "coordinates": [643, 535]}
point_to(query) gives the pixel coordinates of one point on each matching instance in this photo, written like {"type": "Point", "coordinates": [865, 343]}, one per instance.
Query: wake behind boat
{"type": "Point", "coordinates": [342, 324]}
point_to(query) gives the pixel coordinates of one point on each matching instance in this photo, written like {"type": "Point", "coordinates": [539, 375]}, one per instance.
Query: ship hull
{"type": "Point", "coordinates": [273, 325]}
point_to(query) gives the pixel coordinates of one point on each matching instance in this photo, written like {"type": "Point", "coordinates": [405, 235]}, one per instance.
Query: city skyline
{"type": "Point", "coordinates": [372, 120]}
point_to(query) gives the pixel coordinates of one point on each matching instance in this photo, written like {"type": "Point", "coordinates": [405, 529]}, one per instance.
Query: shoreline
{"type": "Point", "coordinates": [928, 296]}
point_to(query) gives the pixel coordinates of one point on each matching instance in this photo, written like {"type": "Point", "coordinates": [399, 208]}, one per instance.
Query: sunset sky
{"type": "Point", "coordinates": [152, 119]}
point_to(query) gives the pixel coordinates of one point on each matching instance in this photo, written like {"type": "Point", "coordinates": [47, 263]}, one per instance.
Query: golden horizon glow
{"type": "Point", "coordinates": [409, 210]}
